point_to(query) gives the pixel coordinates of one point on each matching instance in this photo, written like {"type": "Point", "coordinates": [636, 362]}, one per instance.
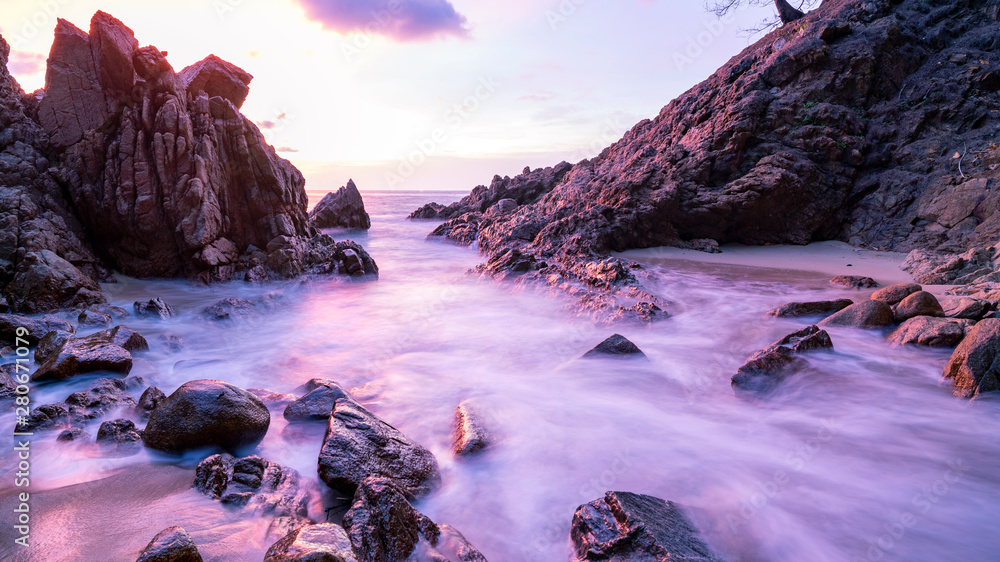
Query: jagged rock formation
{"type": "Point", "coordinates": [121, 163]}
{"type": "Point", "coordinates": [343, 209]}
{"type": "Point", "coordinates": [872, 122]}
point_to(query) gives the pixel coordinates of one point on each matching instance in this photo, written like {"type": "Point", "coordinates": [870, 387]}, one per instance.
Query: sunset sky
{"type": "Point", "coordinates": [463, 89]}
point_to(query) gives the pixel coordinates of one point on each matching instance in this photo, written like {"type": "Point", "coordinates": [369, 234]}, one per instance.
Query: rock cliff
{"type": "Point", "coordinates": [873, 122]}
{"type": "Point", "coordinates": [121, 163]}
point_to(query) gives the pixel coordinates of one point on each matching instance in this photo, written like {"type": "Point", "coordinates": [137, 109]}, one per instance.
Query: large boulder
{"type": "Point", "coordinates": [974, 367]}
{"type": "Point", "coordinates": [343, 209]}
{"type": "Point", "coordinates": [383, 526]}
{"type": "Point", "coordinates": [119, 437]}
{"type": "Point", "coordinates": [632, 527]}
{"type": "Point", "coordinates": [317, 404]}
{"type": "Point", "coordinates": [217, 78]}
{"type": "Point", "coordinates": [325, 542]}
{"type": "Point", "coordinates": [813, 308]}
{"type": "Point", "coordinates": [920, 303]}
{"type": "Point", "coordinates": [930, 331]}
{"type": "Point", "coordinates": [45, 281]}
{"type": "Point", "coordinates": [206, 413]}
{"type": "Point", "coordinates": [865, 314]}
{"type": "Point", "coordinates": [767, 368]}
{"type": "Point", "coordinates": [895, 293]}
{"type": "Point", "coordinates": [172, 544]}
{"type": "Point", "coordinates": [359, 445]}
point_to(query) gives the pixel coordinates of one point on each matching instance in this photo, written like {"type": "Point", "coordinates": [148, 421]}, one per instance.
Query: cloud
{"type": "Point", "coordinates": [26, 64]}
{"type": "Point", "coordinates": [286, 149]}
{"type": "Point", "coordinates": [402, 20]}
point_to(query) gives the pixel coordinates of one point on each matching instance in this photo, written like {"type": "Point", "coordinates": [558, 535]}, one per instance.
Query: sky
{"type": "Point", "coordinates": [422, 94]}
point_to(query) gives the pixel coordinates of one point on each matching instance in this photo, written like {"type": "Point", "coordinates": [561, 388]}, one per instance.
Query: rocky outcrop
{"type": "Point", "coordinates": [973, 366]}
{"type": "Point", "coordinates": [383, 526]}
{"type": "Point", "coordinates": [172, 544]}
{"type": "Point", "coordinates": [814, 308]}
{"type": "Point", "coordinates": [207, 413]}
{"type": "Point", "coordinates": [845, 126]}
{"type": "Point", "coordinates": [343, 209]}
{"type": "Point", "coordinates": [123, 163]}
{"type": "Point", "coordinates": [616, 345]}
{"type": "Point", "coordinates": [359, 445]}
{"type": "Point", "coordinates": [633, 527]}
{"type": "Point", "coordinates": [325, 542]}
{"type": "Point", "coordinates": [258, 484]}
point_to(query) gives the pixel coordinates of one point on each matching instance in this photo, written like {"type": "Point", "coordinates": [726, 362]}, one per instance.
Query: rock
{"type": "Point", "coordinates": [865, 314]}
{"type": "Point", "coordinates": [317, 404]}
{"type": "Point", "coordinates": [72, 434]}
{"type": "Point", "coordinates": [816, 308]}
{"type": "Point", "coordinates": [271, 398]}
{"type": "Point", "coordinates": [207, 413]}
{"type": "Point", "coordinates": [930, 331]}
{"type": "Point", "coordinates": [626, 526]}
{"type": "Point", "coordinates": [854, 282]}
{"type": "Point", "coordinates": [45, 281]}
{"type": "Point", "coordinates": [46, 416]}
{"type": "Point", "coordinates": [358, 445]}
{"type": "Point", "coordinates": [36, 328]}
{"type": "Point", "coordinates": [968, 308]}
{"type": "Point", "coordinates": [119, 437]}
{"type": "Point", "coordinates": [616, 345]}
{"type": "Point", "coordinates": [154, 308]}
{"type": "Point", "coordinates": [502, 207]}
{"type": "Point", "coordinates": [382, 526]}
{"type": "Point", "coordinates": [973, 366]}
{"type": "Point", "coordinates": [767, 368]}
{"type": "Point", "coordinates": [258, 484]}
{"type": "Point", "coordinates": [8, 385]}
{"type": "Point", "coordinates": [343, 209]}
{"type": "Point", "coordinates": [469, 431]}
{"type": "Point", "coordinates": [217, 78]}
{"type": "Point", "coordinates": [125, 337]}
{"type": "Point", "coordinates": [94, 318]}
{"type": "Point", "coordinates": [50, 344]}
{"type": "Point", "coordinates": [150, 399]}
{"type": "Point", "coordinates": [77, 356]}
{"type": "Point", "coordinates": [172, 544]}
{"type": "Point", "coordinates": [239, 309]}
{"type": "Point", "coordinates": [325, 542]}
{"type": "Point", "coordinates": [895, 293]}
{"type": "Point", "coordinates": [115, 312]}
{"type": "Point", "coordinates": [102, 397]}
{"type": "Point", "coordinates": [920, 303]}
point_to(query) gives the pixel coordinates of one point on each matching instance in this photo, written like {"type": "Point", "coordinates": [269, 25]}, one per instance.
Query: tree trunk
{"type": "Point", "coordinates": [787, 12]}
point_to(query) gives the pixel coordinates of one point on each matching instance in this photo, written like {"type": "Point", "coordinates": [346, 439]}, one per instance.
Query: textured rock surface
{"type": "Point", "coordinates": [920, 303]}
{"type": "Point", "coordinates": [119, 437]}
{"type": "Point", "coordinates": [895, 293]}
{"type": "Point", "coordinates": [854, 282]}
{"type": "Point", "coordinates": [150, 399]}
{"type": "Point", "coordinates": [343, 209]}
{"type": "Point", "coordinates": [865, 314]}
{"type": "Point", "coordinates": [101, 398]}
{"type": "Point", "coordinates": [846, 128]}
{"type": "Point", "coordinates": [974, 366]}
{"type": "Point", "coordinates": [815, 308]}
{"type": "Point", "coordinates": [205, 414]}
{"type": "Point", "coordinates": [969, 308]}
{"type": "Point", "coordinates": [154, 308]}
{"type": "Point", "coordinates": [616, 346]}
{"type": "Point", "coordinates": [325, 542]}
{"type": "Point", "coordinates": [470, 433]}
{"type": "Point", "coordinates": [767, 368]}
{"type": "Point", "coordinates": [930, 331]}
{"type": "Point", "coordinates": [172, 544]}
{"type": "Point", "coordinates": [37, 327]}
{"type": "Point", "coordinates": [358, 445]}
{"type": "Point", "coordinates": [631, 527]}
{"type": "Point", "coordinates": [77, 356]}
{"type": "Point", "coordinates": [383, 526]}
{"type": "Point", "coordinates": [317, 404]}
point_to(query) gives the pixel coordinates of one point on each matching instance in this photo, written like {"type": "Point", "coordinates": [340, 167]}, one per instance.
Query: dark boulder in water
{"type": "Point", "coordinates": [172, 544]}
{"type": "Point", "coordinates": [317, 404]}
{"type": "Point", "coordinates": [343, 209]}
{"type": "Point", "coordinates": [206, 413]}
{"type": "Point", "coordinates": [814, 308]}
{"type": "Point", "coordinates": [974, 367]}
{"type": "Point", "coordinates": [767, 368]}
{"type": "Point", "coordinates": [865, 314]}
{"type": "Point", "coordinates": [616, 346]}
{"type": "Point", "coordinates": [631, 527]}
{"type": "Point", "coordinates": [119, 437]}
{"type": "Point", "coordinates": [920, 303]}
{"type": "Point", "coordinates": [324, 542]}
{"type": "Point", "coordinates": [154, 308]}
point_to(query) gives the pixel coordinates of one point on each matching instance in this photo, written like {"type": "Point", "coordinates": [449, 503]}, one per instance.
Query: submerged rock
{"type": "Point", "coordinates": [256, 483]}
{"type": "Point", "coordinates": [865, 314]}
{"type": "Point", "coordinates": [36, 328]}
{"type": "Point", "coordinates": [172, 544]}
{"type": "Point", "coordinates": [358, 445]}
{"type": "Point", "coordinates": [930, 331]}
{"type": "Point", "coordinates": [974, 366]}
{"type": "Point", "coordinates": [815, 308]}
{"type": "Point", "coordinates": [895, 293]}
{"type": "Point", "coordinates": [470, 433]}
{"type": "Point", "coordinates": [95, 353]}
{"type": "Point", "coordinates": [616, 345]}
{"type": "Point", "coordinates": [920, 303]}
{"type": "Point", "coordinates": [154, 308]}
{"type": "Point", "coordinates": [631, 527]}
{"type": "Point", "coordinates": [343, 209]}
{"type": "Point", "coordinates": [767, 368]}
{"type": "Point", "coordinates": [383, 526]}
{"type": "Point", "coordinates": [325, 542]}
{"type": "Point", "coordinates": [119, 437]}
{"type": "Point", "coordinates": [150, 399]}
{"type": "Point", "coordinates": [51, 343]}
{"type": "Point", "coordinates": [854, 282]}
{"type": "Point", "coordinates": [317, 404]}
{"type": "Point", "coordinates": [206, 413]}
{"type": "Point", "coordinates": [94, 318]}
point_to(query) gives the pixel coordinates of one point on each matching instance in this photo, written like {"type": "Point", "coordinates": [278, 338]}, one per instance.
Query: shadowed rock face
{"type": "Point", "coordinates": [843, 125]}
{"type": "Point", "coordinates": [343, 209]}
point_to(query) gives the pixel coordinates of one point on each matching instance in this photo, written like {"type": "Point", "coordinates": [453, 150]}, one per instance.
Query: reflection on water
{"type": "Point", "coordinates": [866, 457]}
